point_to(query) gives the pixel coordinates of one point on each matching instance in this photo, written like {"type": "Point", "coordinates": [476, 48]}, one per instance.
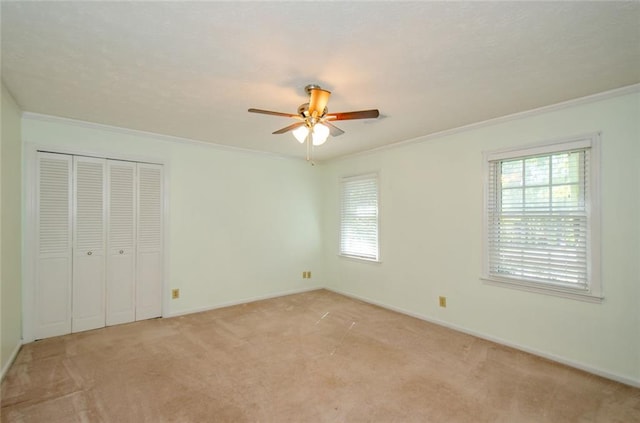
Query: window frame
{"type": "Point", "coordinates": [368, 175]}
{"type": "Point", "coordinates": [593, 290]}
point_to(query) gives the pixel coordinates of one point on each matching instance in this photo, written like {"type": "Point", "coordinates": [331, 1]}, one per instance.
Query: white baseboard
{"type": "Point", "coordinates": [552, 357]}
{"type": "Point", "coordinates": [243, 301]}
{"type": "Point", "coordinates": [12, 358]}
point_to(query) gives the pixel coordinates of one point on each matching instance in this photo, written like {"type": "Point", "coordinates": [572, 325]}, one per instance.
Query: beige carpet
{"type": "Point", "coordinates": [312, 357]}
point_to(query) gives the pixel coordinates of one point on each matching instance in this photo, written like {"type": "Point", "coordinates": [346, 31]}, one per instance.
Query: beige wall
{"type": "Point", "coordinates": [431, 239]}
{"type": "Point", "coordinates": [11, 229]}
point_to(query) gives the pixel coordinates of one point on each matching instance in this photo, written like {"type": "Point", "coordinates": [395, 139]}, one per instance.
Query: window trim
{"type": "Point", "coordinates": [593, 292]}
{"type": "Point", "coordinates": [342, 179]}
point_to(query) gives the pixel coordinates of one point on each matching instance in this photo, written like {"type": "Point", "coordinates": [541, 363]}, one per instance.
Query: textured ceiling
{"type": "Point", "coordinates": [193, 69]}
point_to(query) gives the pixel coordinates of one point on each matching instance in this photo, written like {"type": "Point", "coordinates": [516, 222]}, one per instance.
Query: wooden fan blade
{"type": "Point", "coordinates": [318, 99]}
{"type": "Point", "coordinates": [362, 114]}
{"type": "Point", "coordinates": [289, 128]}
{"type": "Point", "coordinates": [269, 112]}
{"type": "Point", "coordinates": [334, 130]}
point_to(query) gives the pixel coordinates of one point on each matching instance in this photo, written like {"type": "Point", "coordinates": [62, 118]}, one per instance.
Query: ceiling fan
{"type": "Point", "coordinates": [314, 120]}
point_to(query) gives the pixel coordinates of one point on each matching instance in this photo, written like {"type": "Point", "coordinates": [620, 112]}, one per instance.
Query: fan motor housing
{"type": "Point", "coordinates": [303, 110]}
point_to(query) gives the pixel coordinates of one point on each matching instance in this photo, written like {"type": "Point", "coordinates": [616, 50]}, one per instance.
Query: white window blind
{"type": "Point", "coordinates": [359, 217]}
{"type": "Point", "coordinates": [539, 222]}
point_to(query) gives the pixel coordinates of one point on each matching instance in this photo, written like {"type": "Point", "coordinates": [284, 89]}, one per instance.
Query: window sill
{"type": "Point", "coordinates": [556, 291]}
{"type": "Point", "coordinates": [359, 259]}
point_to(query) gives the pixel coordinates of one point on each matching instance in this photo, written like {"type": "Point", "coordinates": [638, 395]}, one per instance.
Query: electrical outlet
{"type": "Point", "coordinates": [175, 293]}
{"type": "Point", "coordinates": [443, 301]}
{"type": "Point", "coordinates": [308, 274]}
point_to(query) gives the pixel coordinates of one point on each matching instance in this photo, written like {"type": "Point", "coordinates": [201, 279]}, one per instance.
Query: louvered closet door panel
{"type": "Point", "coordinates": [149, 242]}
{"type": "Point", "coordinates": [89, 244]}
{"type": "Point", "coordinates": [121, 212]}
{"type": "Point", "coordinates": [53, 269]}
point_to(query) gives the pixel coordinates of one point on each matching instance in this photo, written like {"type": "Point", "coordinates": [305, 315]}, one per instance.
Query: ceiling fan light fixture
{"type": "Point", "coordinates": [315, 123]}
{"type": "Point", "coordinates": [320, 134]}
{"type": "Point", "coordinates": [301, 134]}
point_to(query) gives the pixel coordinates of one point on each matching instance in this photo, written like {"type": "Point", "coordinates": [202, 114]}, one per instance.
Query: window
{"type": "Point", "coordinates": [541, 225]}
{"type": "Point", "coordinates": [359, 217]}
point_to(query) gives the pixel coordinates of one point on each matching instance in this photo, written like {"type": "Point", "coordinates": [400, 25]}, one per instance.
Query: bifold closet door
{"type": "Point", "coordinates": [149, 242]}
{"type": "Point", "coordinates": [52, 315]}
{"type": "Point", "coordinates": [89, 231]}
{"type": "Point", "coordinates": [99, 244]}
{"type": "Point", "coordinates": [121, 214]}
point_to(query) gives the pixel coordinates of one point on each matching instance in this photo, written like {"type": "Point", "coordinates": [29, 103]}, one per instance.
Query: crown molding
{"type": "Point", "coordinates": [39, 117]}
{"type": "Point", "coordinates": [629, 89]}
{"type": "Point", "coordinates": [617, 92]}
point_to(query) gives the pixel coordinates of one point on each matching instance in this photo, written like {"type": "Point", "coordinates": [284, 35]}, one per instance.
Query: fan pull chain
{"type": "Point", "coordinates": [309, 149]}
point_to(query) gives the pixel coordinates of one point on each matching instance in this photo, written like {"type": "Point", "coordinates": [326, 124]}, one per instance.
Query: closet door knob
{"type": "Point", "coordinates": [121, 251]}
{"type": "Point", "coordinates": [89, 253]}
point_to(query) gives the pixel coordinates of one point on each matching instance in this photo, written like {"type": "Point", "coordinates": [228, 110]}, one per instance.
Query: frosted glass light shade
{"type": "Point", "coordinates": [301, 134]}
{"type": "Point", "coordinates": [320, 134]}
